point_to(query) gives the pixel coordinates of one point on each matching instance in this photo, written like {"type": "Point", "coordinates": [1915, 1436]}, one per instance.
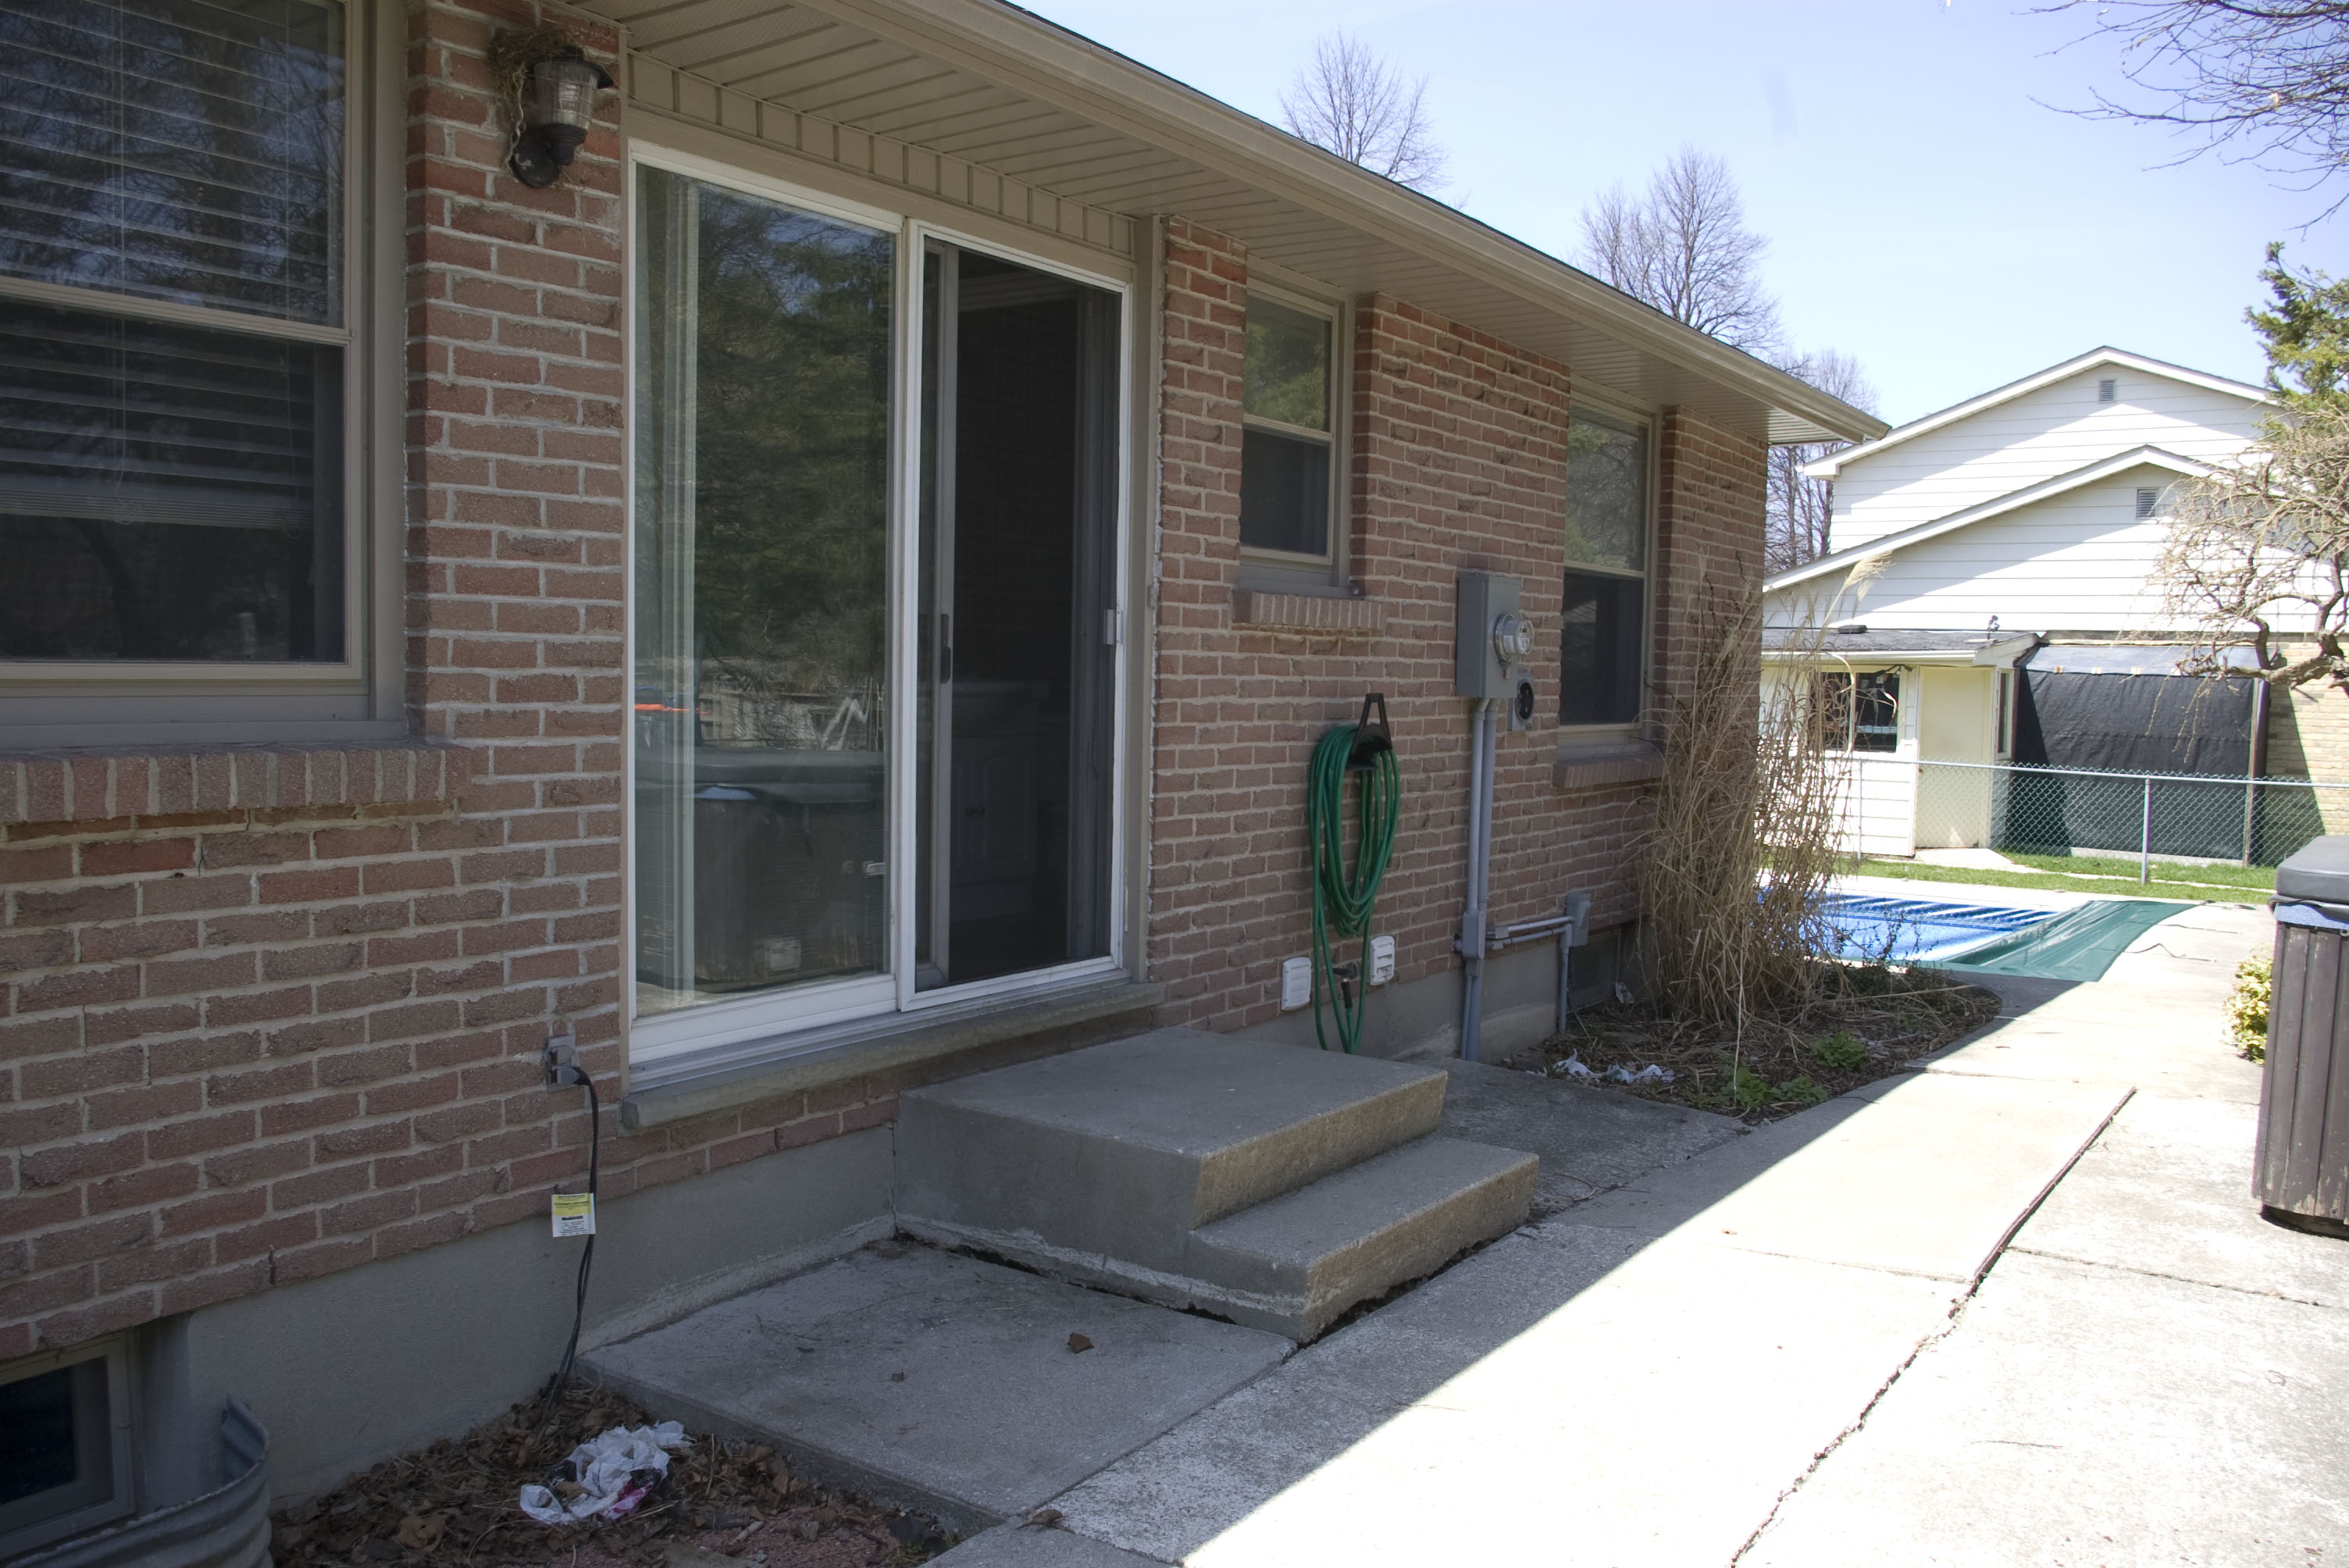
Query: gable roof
{"type": "Point", "coordinates": [1827, 467]}
{"type": "Point", "coordinates": [2102, 469]}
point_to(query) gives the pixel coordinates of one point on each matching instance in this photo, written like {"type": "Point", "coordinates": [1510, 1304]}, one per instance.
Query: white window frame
{"type": "Point", "coordinates": [122, 1499]}
{"type": "Point", "coordinates": [1614, 731]}
{"type": "Point", "coordinates": [359, 697]}
{"type": "Point", "coordinates": [1294, 571]}
{"type": "Point", "coordinates": [787, 1019]}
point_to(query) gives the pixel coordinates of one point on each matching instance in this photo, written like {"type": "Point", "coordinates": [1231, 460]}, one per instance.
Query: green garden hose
{"type": "Point", "coordinates": [1343, 903]}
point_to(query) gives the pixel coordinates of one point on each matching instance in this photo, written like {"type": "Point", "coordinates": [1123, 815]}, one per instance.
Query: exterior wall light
{"type": "Point", "coordinates": [558, 103]}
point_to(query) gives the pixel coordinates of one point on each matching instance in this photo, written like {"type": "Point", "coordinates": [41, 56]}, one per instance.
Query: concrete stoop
{"type": "Point", "coordinates": [1270, 1185]}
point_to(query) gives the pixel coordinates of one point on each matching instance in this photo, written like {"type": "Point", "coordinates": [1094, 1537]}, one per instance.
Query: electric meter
{"type": "Point", "coordinates": [1513, 639]}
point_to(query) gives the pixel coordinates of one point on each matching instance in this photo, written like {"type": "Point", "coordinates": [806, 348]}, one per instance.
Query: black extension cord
{"type": "Point", "coordinates": [562, 1074]}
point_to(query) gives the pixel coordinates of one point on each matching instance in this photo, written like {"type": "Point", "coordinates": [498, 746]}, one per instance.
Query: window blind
{"type": "Point", "coordinates": [189, 151]}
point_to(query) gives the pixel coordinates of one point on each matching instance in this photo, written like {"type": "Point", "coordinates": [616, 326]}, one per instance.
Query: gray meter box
{"type": "Point", "coordinates": [1487, 621]}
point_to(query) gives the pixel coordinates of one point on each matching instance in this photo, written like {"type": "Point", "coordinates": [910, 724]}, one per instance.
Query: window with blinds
{"type": "Point", "coordinates": [172, 330]}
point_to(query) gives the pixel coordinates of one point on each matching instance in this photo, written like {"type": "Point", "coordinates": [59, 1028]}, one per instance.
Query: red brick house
{"type": "Point", "coordinates": [836, 591]}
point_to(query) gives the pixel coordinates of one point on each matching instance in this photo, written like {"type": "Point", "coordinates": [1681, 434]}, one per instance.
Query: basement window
{"type": "Point", "coordinates": [65, 1450]}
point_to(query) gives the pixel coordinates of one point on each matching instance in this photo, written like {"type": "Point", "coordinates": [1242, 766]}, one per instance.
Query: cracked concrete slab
{"type": "Point", "coordinates": [929, 1380]}
{"type": "Point", "coordinates": [2082, 1415]}
{"type": "Point", "coordinates": [1590, 1141]}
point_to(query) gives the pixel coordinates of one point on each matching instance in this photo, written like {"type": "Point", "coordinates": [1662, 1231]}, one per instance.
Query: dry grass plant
{"type": "Point", "coordinates": [1748, 1009]}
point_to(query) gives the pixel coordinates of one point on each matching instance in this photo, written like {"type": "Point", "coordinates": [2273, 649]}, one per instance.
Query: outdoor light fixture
{"type": "Point", "coordinates": [558, 103]}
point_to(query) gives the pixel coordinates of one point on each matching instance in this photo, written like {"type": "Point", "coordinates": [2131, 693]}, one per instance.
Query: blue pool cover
{"type": "Point", "coordinates": [1917, 930]}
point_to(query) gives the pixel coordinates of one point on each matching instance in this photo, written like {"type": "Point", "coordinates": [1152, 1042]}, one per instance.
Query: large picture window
{"type": "Point", "coordinates": [172, 333]}
{"type": "Point", "coordinates": [1603, 623]}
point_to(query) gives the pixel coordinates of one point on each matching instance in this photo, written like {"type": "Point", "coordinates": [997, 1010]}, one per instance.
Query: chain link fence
{"type": "Point", "coordinates": [1893, 806]}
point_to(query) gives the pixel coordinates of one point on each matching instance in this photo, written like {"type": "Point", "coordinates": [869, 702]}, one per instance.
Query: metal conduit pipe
{"type": "Point", "coordinates": [1480, 865]}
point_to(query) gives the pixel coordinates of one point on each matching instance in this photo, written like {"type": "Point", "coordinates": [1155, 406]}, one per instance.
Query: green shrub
{"type": "Point", "coordinates": [2247, 1009]}
{"type": "Point", "coordinates": [1843, 1050]}
{"type": "Point", "coordinates": [1801, 1090]}
{"type": "Point", "coordinates": [1749, 1090]}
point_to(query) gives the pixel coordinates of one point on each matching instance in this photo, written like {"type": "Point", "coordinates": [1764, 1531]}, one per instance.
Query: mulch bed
{"type": "Point", "coordinates": [454, 1503]}
{"type": "Point", "coordinates": [1881, 1021]}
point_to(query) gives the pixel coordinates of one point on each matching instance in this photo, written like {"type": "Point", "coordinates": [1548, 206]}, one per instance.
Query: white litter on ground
{"type": "Point", "coordinates": [613, 1471]}
{"type": "Point", "coordinates": [1574, 1066]}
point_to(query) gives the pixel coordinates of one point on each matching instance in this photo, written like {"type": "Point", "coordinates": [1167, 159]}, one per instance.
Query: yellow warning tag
{"type": "Point", "coordinates": [575, 1213]}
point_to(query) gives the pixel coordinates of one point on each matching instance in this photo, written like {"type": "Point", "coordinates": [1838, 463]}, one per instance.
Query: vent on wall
{"type": "Point", "coordinates": [2108, 391]}
{"type": "Point", "coordinates": [2146, 501]}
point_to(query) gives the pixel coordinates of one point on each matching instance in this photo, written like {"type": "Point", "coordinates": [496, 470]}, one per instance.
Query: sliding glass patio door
{"type": "Point", "coordinates": [808, 846]}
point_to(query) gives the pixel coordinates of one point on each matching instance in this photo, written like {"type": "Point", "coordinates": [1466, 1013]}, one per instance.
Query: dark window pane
{"type": "Point", "coordinates": [36, 1435]}
{"type": "Point", "coordinates": [1861, 714]}
{"type": "Point", "coordinates": [1606, 493]}
{"type": "Point", "coordinates": [1599, 680]}
{"type": "Point", "coordinates": [1286, 374]}
{"type": "Point", "coordinates": [179, 150]}
{"type": "Point", "coordinates": [167, 491]}
{"type": "Point", "coordinates": [1284, 493]}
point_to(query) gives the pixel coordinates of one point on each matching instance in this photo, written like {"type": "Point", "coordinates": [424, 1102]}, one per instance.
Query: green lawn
{"type": "Point", "coordinates": [2082, 874]}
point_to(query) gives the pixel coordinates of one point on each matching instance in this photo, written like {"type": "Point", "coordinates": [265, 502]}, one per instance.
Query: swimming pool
{"type": "Point", "coordinates": [1919, 931]}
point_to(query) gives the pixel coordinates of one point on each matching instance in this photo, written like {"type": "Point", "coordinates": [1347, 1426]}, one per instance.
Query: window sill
{"type": "Point", "coordinates": [1598, 766]}
{"type": "Point", "coordinates": [946, 1040]}
{"type": "Point", "coordinates": [92, 784]}
{"type": "Point", "coordinates": [1307, 615]}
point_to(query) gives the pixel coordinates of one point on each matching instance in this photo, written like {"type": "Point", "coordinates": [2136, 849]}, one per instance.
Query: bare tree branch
{"type": "Point", "coordinates": [1682, 245]}
{"type": "Point", "coordinates": [1800, 506]}
{"type": "Point", "coordinates": [1364, 110]}
{"type": "Point", "coordinates": [2264, 82]}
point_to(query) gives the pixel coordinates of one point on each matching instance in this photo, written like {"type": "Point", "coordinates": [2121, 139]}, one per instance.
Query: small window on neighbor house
{"type": "Point", "coordinates": [1862, 713]}
{"type": "Point", "coordinates": [2147, 503]}
{"type": "Point", "coordinates": [61, 1467]}
{"type": "Point", "coordinates": [1602, 628]}
{"type": "Point", "coordinates": [2108, 391]}
{"type": "Point", "coordinates": [1287, 446]}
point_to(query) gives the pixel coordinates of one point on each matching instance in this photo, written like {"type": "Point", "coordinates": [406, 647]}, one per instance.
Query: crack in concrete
{"type": "Point", "coordinates": [2180, 1279]}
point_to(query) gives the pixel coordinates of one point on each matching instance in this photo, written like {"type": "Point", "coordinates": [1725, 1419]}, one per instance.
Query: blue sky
{"type": "Point", "coordinates": [1925, 214]}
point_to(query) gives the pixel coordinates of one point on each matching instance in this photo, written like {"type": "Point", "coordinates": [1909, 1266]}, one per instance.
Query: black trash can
{"type": "Point", "coordinates": [2300, 1169]}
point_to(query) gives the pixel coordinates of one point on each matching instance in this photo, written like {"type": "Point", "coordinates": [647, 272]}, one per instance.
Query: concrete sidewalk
{"type": "Point", "coordinates": [1784, 1350]}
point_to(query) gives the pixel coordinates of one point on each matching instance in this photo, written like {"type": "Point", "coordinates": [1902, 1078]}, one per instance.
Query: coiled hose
{"type": "Point", "coordinates": [1343, 903]}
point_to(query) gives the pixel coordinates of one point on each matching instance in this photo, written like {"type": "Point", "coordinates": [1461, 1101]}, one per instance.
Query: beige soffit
{"type": "Point", "coordinates": [1827, 467]}
{"type": "Point", "coordinates": [988, 86]}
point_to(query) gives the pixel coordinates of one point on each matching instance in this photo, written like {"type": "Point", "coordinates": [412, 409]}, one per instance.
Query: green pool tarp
{"type": "Point", "coordinates": [2078, 944]}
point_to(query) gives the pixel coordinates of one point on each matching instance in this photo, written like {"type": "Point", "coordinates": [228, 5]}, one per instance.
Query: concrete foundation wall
{"type": "Point", "coordinates": [346, 1368]}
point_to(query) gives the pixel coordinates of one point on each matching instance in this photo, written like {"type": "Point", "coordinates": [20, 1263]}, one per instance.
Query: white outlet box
{"type": "Point", "coordinates": [1382, 960]}
{"type": "Point", "coordinates": [1296, 983]}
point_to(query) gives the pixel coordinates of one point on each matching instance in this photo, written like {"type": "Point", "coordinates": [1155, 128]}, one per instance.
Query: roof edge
{"type": "Point", "coordinates": [1001, 41]}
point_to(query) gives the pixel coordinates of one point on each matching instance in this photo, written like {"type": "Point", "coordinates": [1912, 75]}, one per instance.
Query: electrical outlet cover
{"type": "Point", "coordinates": [1382, 960]}
{"type": "Point", "coordinates": [1296, 983]}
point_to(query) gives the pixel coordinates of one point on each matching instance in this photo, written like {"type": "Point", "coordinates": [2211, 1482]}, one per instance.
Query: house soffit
{"type": "Point", "coordinates": [1000, 89]}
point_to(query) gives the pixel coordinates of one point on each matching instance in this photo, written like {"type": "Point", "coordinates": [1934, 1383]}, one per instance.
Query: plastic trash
{"type": "Point", "coordinates": [1654, 1072]}
{"type": "Point", "coordinates": [615, 1471]}
{"type": "Point", "coordinates": [1575, 1067]}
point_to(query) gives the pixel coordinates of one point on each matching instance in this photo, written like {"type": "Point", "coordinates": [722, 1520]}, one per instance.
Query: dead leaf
{"type": "Point", "coordinates": [1044, 1518]}
{"type": "Point", "coordinates": [1078, 1345]}
{"type": "Point", "coordinates": [420, 1532]}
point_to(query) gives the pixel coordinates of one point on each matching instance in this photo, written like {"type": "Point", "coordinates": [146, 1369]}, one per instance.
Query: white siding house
{"type": "Point", "coordinates": [1976, 541]}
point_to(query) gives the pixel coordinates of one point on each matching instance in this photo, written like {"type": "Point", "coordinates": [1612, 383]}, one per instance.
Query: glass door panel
{"type": "Point", "coordinates": [760, 546]}
{"type": "Point", "coordinates": [1017, 650]}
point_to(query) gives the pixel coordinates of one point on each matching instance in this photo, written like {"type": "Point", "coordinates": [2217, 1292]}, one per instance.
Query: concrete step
{"type": "Point", "coordinates": [1294, 1265]}
{"type": "Point", "coordinates": [1125, 1149]}
{"type": "Point", "coordinates": [1273, 1186]}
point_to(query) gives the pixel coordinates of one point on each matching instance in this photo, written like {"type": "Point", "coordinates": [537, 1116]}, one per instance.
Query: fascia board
{"type": "Point", "coordinates": [1021, 51]}
{"type": "Point", "coordinates": [2102, 469]}
{"type": "Point", "coordinates": [1831, 464]}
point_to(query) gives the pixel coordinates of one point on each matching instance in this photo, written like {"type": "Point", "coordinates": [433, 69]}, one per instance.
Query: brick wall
{"type": "Point", "coordinates": [1458, 459]}
{"type": "Point", "coordinates": [244, 1044]}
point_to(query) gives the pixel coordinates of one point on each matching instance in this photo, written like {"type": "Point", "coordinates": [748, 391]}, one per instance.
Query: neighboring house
{"type": "Point", "coordinates": [837, 592]}
{"type": "Point", "coordinates": [1989, 598]}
